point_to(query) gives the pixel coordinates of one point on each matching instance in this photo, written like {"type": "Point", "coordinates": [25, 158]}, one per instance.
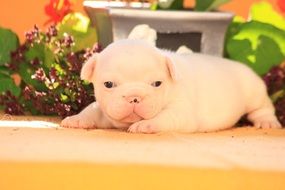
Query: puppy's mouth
{"type": "Point", "coordinates": [132, 118]}
{"type": "Point", "coordinates": [130, 114]}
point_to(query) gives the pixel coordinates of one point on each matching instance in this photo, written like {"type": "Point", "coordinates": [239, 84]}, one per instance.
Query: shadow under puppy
{"type": "Point", "coordinates": [144, 89]}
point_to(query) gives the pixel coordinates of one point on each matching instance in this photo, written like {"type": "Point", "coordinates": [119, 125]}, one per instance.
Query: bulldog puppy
{"type": "Point", "coordinates": [146, 90]}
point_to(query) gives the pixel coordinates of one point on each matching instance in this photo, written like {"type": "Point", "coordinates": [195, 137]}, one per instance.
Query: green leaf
{"type": "Point", "coordinates": [9, 84]}
{"type": "Point", "coordinates": [258, 45]}
{"type": "Point", "coordinates": [78, 26]}
{"type": "Point", "coordinates": [64, 98]}
{"type": "Point", "coordinates": [4, 70]}
{"type": "Point", "coordinates": [267, 54]}
{"type": "Point", "coordinates": [42, 52]}
{"type": "Point", "coordinates": [154, 6]}
{"type": "Point", "coordinates": [233, 28]}
{"type": "Point", "coordinates": [26, 73]}
{"type": "Point", "coordinates": [252, 30]}
{"type": "Point", "coordinates": [76, 22]}
{"type": "Point", "coordinates": [240, 50]}
{"type": "Point", "coordinates": [208, 5]}
{"type": "Point", "coordinates": [170, 4]}
{"type": "Point", "coordinates": [59, 69]}
{"type": "Point", "coordinates": [8, 42]}
{"type": "Point", "coordinates": [279, 94]}
{"type": "Point", "coordinates": [264, 12]}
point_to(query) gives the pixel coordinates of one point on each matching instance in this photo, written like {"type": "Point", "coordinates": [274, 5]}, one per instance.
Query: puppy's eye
{"type": "Point", "coordinates": [109, 84]}
{"type": "Point", "coordinates": [156, 83]}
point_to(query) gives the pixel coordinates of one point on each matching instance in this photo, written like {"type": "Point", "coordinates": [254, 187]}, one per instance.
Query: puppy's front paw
{"type": "Point", "coordinates": [143, 126]}
{"type": "Point", "coordinates": [78, 121]}
{"type": "Point", "coordinates": [267, 122]}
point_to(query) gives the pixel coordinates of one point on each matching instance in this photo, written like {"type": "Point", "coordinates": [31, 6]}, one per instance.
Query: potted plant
{"type": "Point", "coordinates": [41, 75]}
{"type": "Point", "coordinates": [200, 29]}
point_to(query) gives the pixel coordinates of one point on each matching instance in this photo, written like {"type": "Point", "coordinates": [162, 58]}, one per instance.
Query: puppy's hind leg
{"type": "Point", "coordinates": [264, 116]}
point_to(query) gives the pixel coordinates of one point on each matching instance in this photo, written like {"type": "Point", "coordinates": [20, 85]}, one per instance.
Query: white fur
{"type": "Point", "coordinates": [143, 32]}
{"type": "Point", "coordinates": [199, 93]}
{"type": "Point", "coordinates": [184, 50]}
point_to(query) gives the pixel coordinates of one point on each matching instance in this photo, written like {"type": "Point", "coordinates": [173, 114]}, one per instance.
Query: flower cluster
{"type": "Point", "coordinates": [50, 71]}
{"type": "Point", "coordinates": [11, 103]}
{"type": "Point", "coordinates": [275, 79]}
{"type": "Point", "coordinates": [275, 82]}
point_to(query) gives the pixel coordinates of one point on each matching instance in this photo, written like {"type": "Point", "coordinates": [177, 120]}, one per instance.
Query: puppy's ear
{"type": "Point", "coordinates": [171, 68]}
{"type": "Point", "coordinates": [88, 68]}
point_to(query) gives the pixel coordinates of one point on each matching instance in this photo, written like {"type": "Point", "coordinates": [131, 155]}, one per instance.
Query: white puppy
{"type": "Point", "coordinates": [146, 90]}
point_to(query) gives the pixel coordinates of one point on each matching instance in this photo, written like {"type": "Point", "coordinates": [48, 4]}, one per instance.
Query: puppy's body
{"type": "Point", "coordinates": [155, 90]}
{"type": "Point", "coordinates": [217, 91]}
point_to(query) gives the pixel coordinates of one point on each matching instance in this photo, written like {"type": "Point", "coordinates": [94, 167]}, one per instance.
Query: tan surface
{"type": "Point", "coordinates": [248, 148]}
{"type": "Point", "coordinates": [47, 157]}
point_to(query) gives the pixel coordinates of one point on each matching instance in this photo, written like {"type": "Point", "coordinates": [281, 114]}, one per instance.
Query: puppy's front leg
{"type": "Point", "coordinates": [167, 120]}
{"type": "Point", "coordinates": [89, 118]}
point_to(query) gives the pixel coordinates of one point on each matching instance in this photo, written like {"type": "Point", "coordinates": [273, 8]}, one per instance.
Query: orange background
{"type": "Point", "coordinates": [20, 16]}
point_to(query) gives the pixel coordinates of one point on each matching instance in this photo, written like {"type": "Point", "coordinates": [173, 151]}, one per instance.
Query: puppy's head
{"type": "Point", "coordinates": [132, 80]}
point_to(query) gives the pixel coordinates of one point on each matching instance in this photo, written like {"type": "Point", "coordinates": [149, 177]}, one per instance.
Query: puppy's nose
{"type": "Point", "coordinates": [133, 99]}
